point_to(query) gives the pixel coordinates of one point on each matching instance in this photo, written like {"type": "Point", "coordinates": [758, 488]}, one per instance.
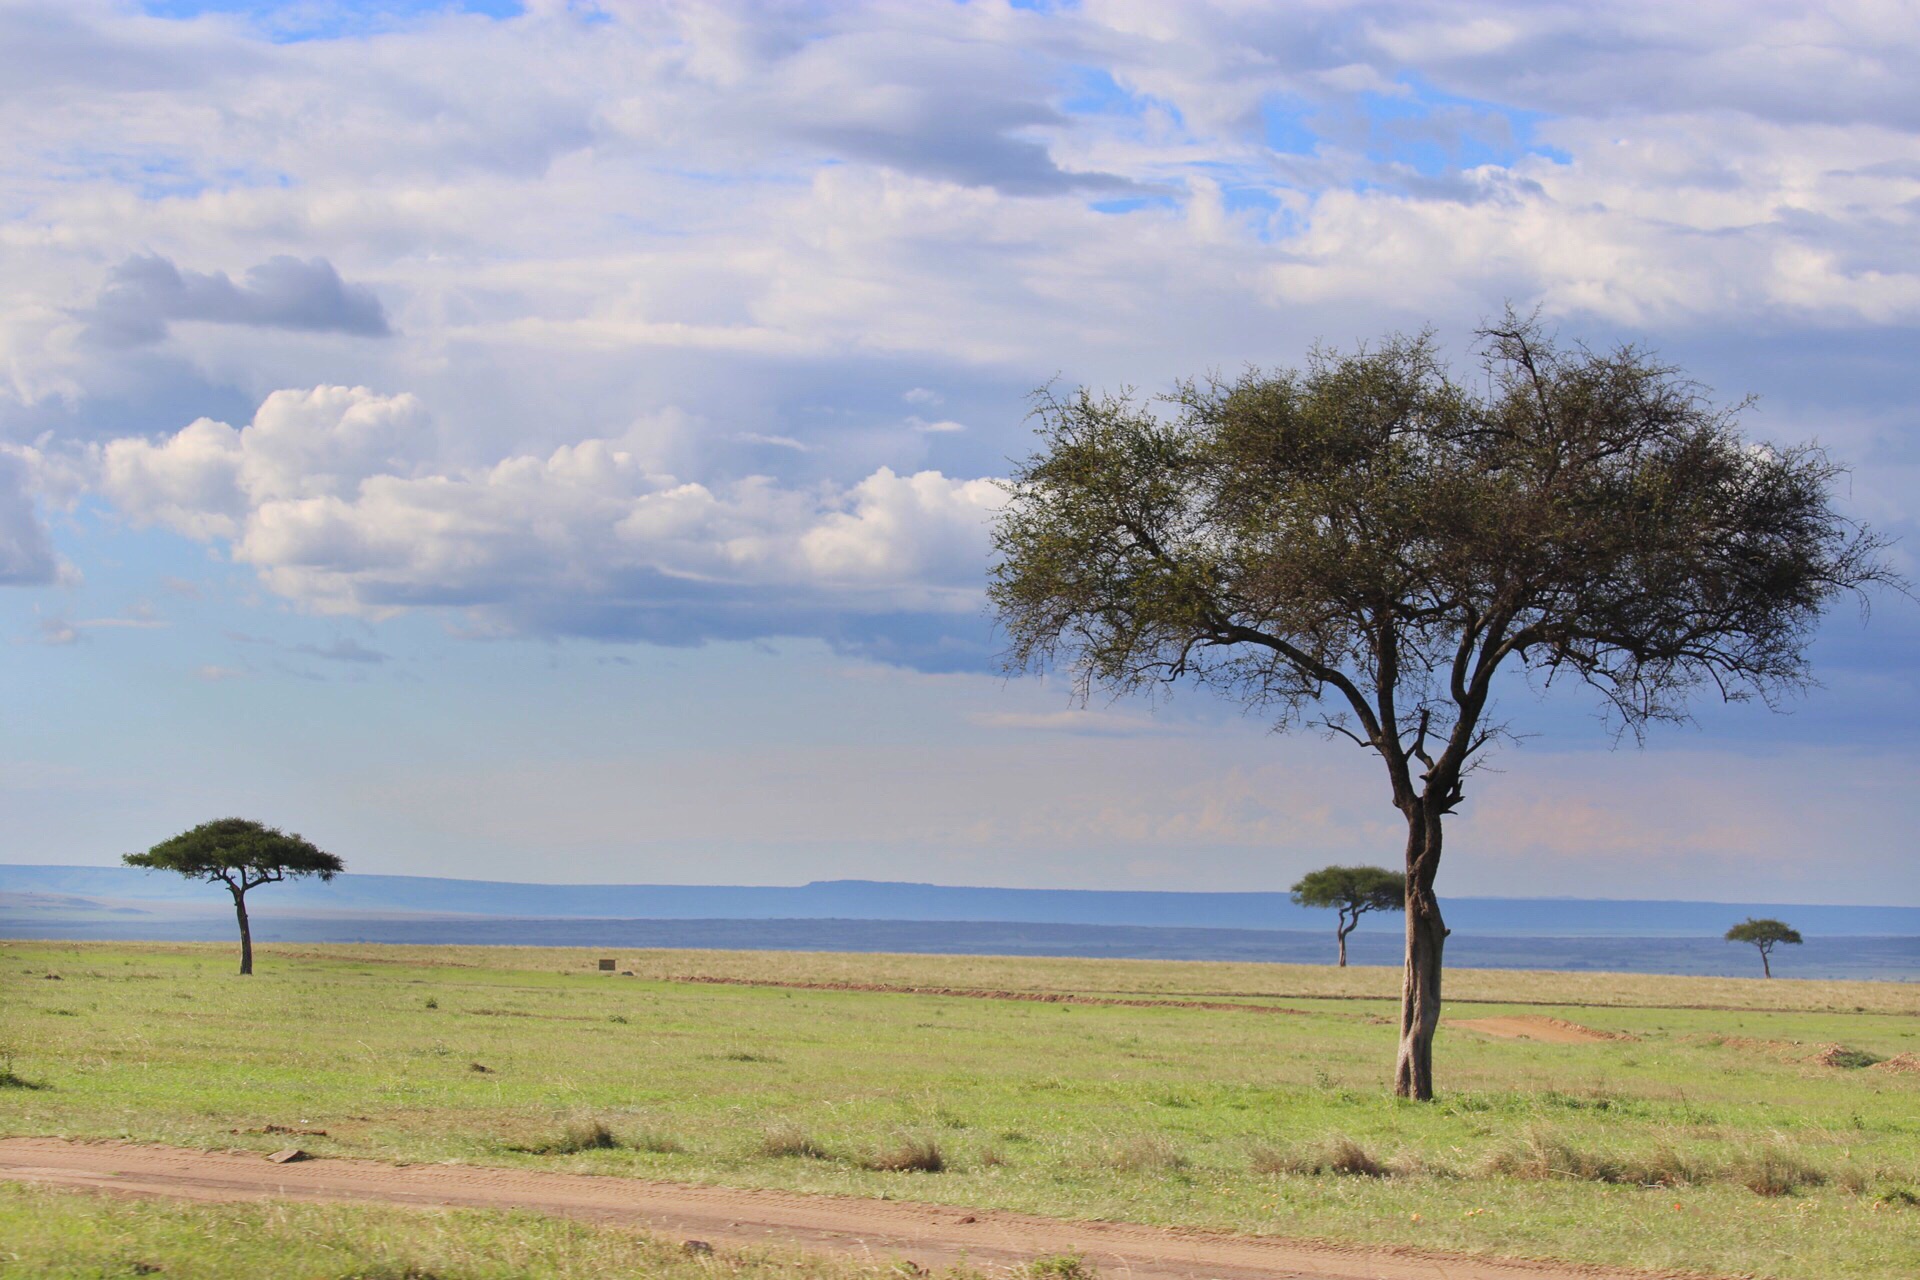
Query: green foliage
{"type": "Point", "coordinates": [1764, 933]}
{"type": "Point", "coordinates": [1352, 889]}
{"type": "Point", "coordinates": [1368, 542]}
{"type": "Point", "coordinates": [242, 855]}
{"type": "Point", "coordinates": [1370, 531]}
{"type": "Point", "coordinates": [239, 853]}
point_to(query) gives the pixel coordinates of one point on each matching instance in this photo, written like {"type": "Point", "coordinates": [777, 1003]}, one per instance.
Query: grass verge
{"type": "Point", "coordinates": [66, 1235]}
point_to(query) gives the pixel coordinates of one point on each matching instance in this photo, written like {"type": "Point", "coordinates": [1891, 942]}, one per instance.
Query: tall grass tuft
{"type": "Point", "coordinates": [1145, 1153]}
{"type": "Point", "coordinates": [577, 1136]}
{"type": "Point", "coordinates": [1772, 1170]}
{"type": "Point", "coordinates": [658, 1142]}
{"type": "Point", "coordinates": [909, 1155]}
{"type": "Point", "coordinates": [785, 1141]}
{"type": "Point", "coordinates": [1338, 1154]}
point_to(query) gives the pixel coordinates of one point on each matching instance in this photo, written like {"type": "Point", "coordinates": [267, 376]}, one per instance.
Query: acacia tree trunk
{"type": "Point", "coordinates": [246, 934]}
{"type": "Point", "coordinates": [1426, 937]}
{"type": "Point", "coordinates": [1766, 966]}
{"type": "Point", "coordinates": [1342, 933]}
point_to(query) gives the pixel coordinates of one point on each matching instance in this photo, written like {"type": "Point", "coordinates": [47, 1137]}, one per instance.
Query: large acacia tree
{"type": "Point", "coordinates": [1367, 543]}
{"type": "Point", "coordinates": [242, 855]}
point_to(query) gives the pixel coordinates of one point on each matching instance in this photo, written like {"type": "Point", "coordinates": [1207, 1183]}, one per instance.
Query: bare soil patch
{"type": "Point", "coordinates": [929, 1235]}
{"type": "Point", "coordinates": [1530, 1027]}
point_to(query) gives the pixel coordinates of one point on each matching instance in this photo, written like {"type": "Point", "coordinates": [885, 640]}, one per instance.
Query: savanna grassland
{"type": "Point", "coordinates": [61, 1235]}
{"type": "Point", "coordinates": [1719, 1126]}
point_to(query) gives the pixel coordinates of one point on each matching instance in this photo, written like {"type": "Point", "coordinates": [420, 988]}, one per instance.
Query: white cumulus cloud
{"type": "Point", "coordinates": [324, 494]}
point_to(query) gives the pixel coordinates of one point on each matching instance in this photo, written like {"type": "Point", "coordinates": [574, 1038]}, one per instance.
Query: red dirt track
{"type": "Point", "coordinates": [931, 1235]}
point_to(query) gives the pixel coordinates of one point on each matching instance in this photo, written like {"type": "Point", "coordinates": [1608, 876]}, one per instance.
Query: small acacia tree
{"type": "Point", "coordinates": [242, 855]}
{"type": "Point", "coordinates": [1366, 544]}
{"type": "Point", "coordinates": [1765, 934]}
{"type": "Point", "coordinates": [1352, 891]}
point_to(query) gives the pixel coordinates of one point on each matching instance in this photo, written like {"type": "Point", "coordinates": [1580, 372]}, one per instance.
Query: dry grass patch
{"type": "Point", "coordinates": [1338, 1154]}
{"type": "Point", "coordinates": [1773, 1170]}
{"type": "Point", "coordinates": [745, 1055]}
{"type": "Point", "coordinates": [1770, 1169]}
{"type": "Point", "coordinates": [657, 1142]}
{"type": "Point", "coordinates": [908, 1155]}
{"type": "Point", "coordinates": [790, 1141]}
{"type": "Point", "coordinates": [1145, 1153]}
{"type": "Point", "coordinates": [577, 1136]}
{"type": "Point", "coordinates": [1543, 1155]}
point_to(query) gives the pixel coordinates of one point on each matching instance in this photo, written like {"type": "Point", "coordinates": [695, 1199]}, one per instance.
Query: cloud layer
{"type": "Point", "coordinates": [143, 295]}
{"type": "Point", "coordinates": [333, 496]}
{"type": "Point", "coordinates": [671, 275]}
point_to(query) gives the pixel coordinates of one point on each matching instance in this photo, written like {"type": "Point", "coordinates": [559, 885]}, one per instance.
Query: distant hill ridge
{"type": "Point", "coordinates": [116, 888]}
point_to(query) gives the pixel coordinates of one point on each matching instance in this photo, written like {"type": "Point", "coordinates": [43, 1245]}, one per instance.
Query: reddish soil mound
{"type": "Point", "coordinates": [1839, 1055]}
{"type": "Point", "coordinates": [1550, 1030]}
{"type": "Point", "coordinates": [1899, 1063]}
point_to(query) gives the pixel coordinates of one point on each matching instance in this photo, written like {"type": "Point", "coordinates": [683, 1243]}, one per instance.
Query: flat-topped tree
{"type": "Point", "coordinates": [1766, 934]}
{"type": "Point", "coordinates": [1366, 544]}
{"type": "Point", "coordinates": [1352, 891]}
{"type": "Point", "coordinates": [242, 855]}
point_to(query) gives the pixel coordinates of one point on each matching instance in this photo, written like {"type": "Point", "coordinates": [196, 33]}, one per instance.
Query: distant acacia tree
{"type": "Point", "coordinates": [1352, 891]}
{"type": "Point", "coordinates": [1766, 934]}
{"type": "Point", "coordinates": [1366, 543]}
{"type": "Point", "coordinates": [242, 855]}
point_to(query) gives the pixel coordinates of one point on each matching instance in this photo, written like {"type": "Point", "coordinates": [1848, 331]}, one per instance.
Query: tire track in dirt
{"type": "Point", "coordinates": [930, 1235]}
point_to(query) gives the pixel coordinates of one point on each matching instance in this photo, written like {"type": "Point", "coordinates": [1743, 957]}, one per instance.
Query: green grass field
{"type": "Point", "coordinates": [52, 1235]}
{"type": "Point", "coordinates": [1713, 1137]}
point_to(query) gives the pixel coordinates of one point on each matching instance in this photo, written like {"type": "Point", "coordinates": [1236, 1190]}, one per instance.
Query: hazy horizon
{"type": "Point", "coordinates": [1066, 889]}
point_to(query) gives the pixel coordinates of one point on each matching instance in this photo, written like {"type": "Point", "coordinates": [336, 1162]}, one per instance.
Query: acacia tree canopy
{"type": "Point", "coordinates": [1365, 543]}
{"type": "Point", "coordinates": [242, 855]}
{"type": "Point", "coordinates": [1765, 933]}
{"type": "Point", "coordinates": [1352, 891]}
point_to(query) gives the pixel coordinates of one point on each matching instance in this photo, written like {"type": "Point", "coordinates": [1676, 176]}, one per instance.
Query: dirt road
{"type": "Point", "coordinates": [931, 1235]}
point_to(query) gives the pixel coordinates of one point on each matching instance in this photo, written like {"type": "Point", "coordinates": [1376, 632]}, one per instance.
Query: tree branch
{"type": "Point", "coordinates": [1232, 632]}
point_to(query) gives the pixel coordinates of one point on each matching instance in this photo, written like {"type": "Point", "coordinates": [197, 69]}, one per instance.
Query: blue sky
{"type": "Point", "coordinates": [557, 441]}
